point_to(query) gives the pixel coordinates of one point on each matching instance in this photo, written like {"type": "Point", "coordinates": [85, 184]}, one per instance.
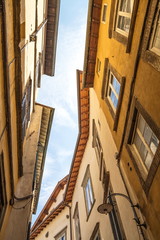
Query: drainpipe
{"type": "Point", "coordinates": [70, 219]}
{"type": "Point", "coordinates": [133, 209]}
{"type": "Point", "coordinates": [18, 82]}
{"type": "Point", "coordinates": [7, 92]}
{"type": "Point", "coordinates": [35, 56]}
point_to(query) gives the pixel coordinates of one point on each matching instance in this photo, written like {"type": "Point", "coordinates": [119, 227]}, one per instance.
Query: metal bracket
{"type": "Point", "coordinates": [32, 38]}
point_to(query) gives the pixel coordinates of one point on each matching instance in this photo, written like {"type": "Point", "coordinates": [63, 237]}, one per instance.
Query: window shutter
{"type": "Point", "coordinates": [106, 181]}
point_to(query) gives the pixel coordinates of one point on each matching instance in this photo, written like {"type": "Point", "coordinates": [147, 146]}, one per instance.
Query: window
{"type": "Point", "coordinates": [115, 220]}
{"type": "Point", "coordinates": [155, 37]}
{"type": "Point", "coordinates": [112, 91]}
{"type": "Point", "coordinates": [96, 233]}
{"type": "Point", "coordinates": [144, 141]}
{"type": "Point", "coordinates": [124, 14]}
{"type": "Point", "coordinates": [98, 66]}
{"type": "Point", "coordinates": [26, 102]}
{"type": "Point", "coordinates": [104, 13]}
{"type": "Point", "coordinates": [122, 19]}
{"type": "Point", "coordinates": [143, 144]}
{"type": "Point", "coordinates": [151, 39]}
{"type": "Point", "coordinates": [96, 144]}
{"type": "Point", "coordinates": [88, 192]}
{"type": "Point", "coordinates": [62, 235]}
{"type": "Point", "coordinates": [77, 223]}
{"type": "Point", "coordinates": [3, 199]}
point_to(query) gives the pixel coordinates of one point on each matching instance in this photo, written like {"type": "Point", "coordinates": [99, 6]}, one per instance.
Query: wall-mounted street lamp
{"type": "Point", "coordinates": [106, 208]}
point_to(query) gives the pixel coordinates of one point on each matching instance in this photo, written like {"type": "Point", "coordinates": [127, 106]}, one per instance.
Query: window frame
{"type": "Point", "coordinates": [155, 23]}
{"type": "Point", "coordinates": [96, 143]}
{"type": "Point", "coordinates": [87, 177]}
{"type": "Point", "coordinates": [76, 216]}
{"type": "Point", "coordinates": [146, 178]}
{"type": "Point", "coordinates": [148, 55]}
{"type": "Point", "coordinates": [99, 153]}
{"type": "Point", "coordinates": [118, 35]}
{"type": "Point", "coordinates": [96, 232]}
{"type": "Point", "coordinates": [105, 86]}
{"type": "Point", "coordinates": [3, 189]}
{"type": "Point", "coordinates": [62, 233]}
{"type": "Point", "coordinates": [122, 14]}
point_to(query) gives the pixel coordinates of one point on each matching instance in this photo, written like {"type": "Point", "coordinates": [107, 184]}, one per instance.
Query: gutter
{"type": "Point", "coordinates": [44, 155]}
{"type": "Point", "coordinates": [35, 57]}
{"type": "Point", "coordinates": [88, 31]}
{"type": "Point", "coordinates": [55, 37]}
{"type": "Point", "coordinates": [79, 132]}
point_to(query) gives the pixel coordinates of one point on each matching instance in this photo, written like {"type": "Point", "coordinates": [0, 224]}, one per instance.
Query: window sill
{"type": "Point", "coordinates": [120, 38]}
{"type": "Point", "coordinates": [140, 169]}
{"type": "Point", "coordinates": [152, 58]}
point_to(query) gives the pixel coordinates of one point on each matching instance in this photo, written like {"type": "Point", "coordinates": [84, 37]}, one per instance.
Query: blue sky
{"type": "Point", "coordinates": [60, 92]}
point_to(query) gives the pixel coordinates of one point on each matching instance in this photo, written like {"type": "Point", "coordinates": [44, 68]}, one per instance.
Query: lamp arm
{"type": "Point", "coordinates": [132, 205]}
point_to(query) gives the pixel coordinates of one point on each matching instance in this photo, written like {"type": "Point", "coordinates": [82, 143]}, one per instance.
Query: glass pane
{"type": "Point", "coordinates": [114, 99]}
{"type": "Point", "coordinates": [154, 143]}
{"type": "Point", "coordinates": [90, 191]}
{"type": "Point", "coordinates": [143, 151]}
{"type": "Point", "coordinates": [147, 134]}
{"type": "Point", "coordinates": [124, 23]}
{"type": "Point", "coordinates": [156, 41]}
{"type": "Point", "coordinates": [87, 198]}
{"type": "Point", "coordinates": [97, 237]}
{"type": "Point", "coordinates": [137, 141]}
{"type": "Point", "coordinates": [148, 160]}
{"type": "Point", "coordinates": [126, 6]}
{"type": "Point", "coordinates": [141, 123]}
{"type": "Point", "coordinates": [115, 84]}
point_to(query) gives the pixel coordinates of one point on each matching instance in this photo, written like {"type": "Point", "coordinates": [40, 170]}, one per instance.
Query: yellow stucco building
{"type": "Point", "coordinates": [28, 36]}
{"type": "Point", "coordinates": [122, 65]}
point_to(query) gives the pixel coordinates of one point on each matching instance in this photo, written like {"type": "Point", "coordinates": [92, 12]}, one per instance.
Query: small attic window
{"type": "Point", "coordinates": [47, 235]}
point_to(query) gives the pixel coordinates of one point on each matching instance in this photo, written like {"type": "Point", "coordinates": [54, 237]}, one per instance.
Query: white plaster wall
{"type": "Point", "coordinates": [54, 227]}
{"type": "Point", "coordinates": [87, 227]}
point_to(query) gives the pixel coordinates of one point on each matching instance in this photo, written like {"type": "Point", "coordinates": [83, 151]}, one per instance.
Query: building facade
{"type": "Point", "coordinates": [28, 47]}
{"type": "Point", "coordinates": [122, 65]}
